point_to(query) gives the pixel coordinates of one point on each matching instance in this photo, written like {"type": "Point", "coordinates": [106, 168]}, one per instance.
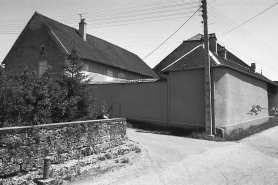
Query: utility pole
{"type": "Point", "coordinates": [208, 114]}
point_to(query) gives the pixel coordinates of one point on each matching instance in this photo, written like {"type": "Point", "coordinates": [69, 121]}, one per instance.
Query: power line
{"type": "Point", "coordinates": [243, 36]}
{"type": "Point", "coordinates": [173, 33]}
{"type": "Point", "coordinates": [117, 23]}
{"type": "Point", "coordinates": [250, 19]}
{"type": "Point", "coordinates": [229, 48]}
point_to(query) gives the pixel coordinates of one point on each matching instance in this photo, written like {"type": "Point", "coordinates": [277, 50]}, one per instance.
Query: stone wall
{"type": "Point", "coordinates": [23, 148]}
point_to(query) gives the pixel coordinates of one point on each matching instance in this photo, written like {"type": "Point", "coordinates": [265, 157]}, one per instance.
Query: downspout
{"type": "Point", "coordinates": [168, 96]}
{"type": "Point", "coordinates": [212, 100]}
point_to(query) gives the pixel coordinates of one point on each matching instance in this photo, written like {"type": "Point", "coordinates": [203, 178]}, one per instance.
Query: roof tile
{"type": "Point", "coordinates": [98, 50]}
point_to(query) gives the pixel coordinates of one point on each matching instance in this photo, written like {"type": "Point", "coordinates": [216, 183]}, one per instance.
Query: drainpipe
{"type": "Point", "coordinates": [168, 96]}
{"type": "Point", "coordinates": [212, 100]}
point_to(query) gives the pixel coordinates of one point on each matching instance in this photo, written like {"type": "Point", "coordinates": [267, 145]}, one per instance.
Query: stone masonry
{"type": "Point", "coordinates": [23, 148]}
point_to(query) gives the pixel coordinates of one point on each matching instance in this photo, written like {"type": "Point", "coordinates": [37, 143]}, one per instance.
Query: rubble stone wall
{"type": "Point", "coordinates": [23, 148]}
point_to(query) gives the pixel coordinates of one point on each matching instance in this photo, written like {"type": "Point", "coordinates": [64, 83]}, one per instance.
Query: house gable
{"type": "Point", "coordinates": [97, 50]}
{"type": "Point", "coordinates": [182, 49]}
{"type": "Point", "coordinates": [35, 45]}
{"type": "Point", "coordinates": [44, 39]}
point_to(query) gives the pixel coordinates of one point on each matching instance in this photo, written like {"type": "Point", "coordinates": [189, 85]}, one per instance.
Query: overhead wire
{"type": "Point", "coordinates": [112, 22]}
{"type": "Point", "coordinates": [230, 48]}
{"type": "Point", "coordinates": [240, 31]}
{"type": "Point", "coordinates": [243, 36]}
{"type": "Point", "coordinates": [250, 19]}
{"type": "Point", "coordinates": [266, 51]}
{"type": "Point", "coordinates": [172, 33]}
{"type": "Point", "coordinates": [236, 33]}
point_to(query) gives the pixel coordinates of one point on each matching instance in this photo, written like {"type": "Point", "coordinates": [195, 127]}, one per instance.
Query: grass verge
{"type": "Point", "coordinates": [191, 133]}
{"type": "Point", "coordinates": [235, 135]}
{"type": "Point", "coordinates": [239, 134]}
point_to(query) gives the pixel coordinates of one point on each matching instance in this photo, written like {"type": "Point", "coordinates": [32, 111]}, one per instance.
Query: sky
{"type": "Point", "coordinates": [141, 26]}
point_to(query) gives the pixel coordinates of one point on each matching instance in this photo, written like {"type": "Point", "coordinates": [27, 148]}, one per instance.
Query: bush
{"type": "Point", "coordinates": [25, 98]}
{"type": "Point", "coordinates": [29, 99]}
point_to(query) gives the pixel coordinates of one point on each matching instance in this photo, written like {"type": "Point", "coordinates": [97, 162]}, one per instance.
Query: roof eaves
{"type": "Point", "coordinates": [249, 74]}
{"type": "Point", "coordinates": [186, 69]}
{"type": "Point", "coordinates": [123, 69]}
{"type": "Point", "coordinates": [225, 66]}
{"type": "Point", "coordinates": [123, 81]}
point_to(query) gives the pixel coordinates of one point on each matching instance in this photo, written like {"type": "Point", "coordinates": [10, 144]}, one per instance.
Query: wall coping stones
{"type": "Point", "coordinates": [6, 129]}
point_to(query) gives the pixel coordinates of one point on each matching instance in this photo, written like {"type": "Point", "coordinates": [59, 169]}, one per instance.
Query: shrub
{"type": "Point", "coordinates": [25, 98]}
{"type": "Point", "coordinates": [29, 99]}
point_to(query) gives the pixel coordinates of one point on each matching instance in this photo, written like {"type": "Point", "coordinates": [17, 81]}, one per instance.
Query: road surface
{"type": "Point", "coordinates": [172, 160]}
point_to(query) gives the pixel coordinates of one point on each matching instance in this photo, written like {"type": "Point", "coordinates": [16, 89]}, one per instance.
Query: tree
{"type": "Point", "coordinates": [29, 99]}
{"type": "Point", "coordinates": [72, 100]}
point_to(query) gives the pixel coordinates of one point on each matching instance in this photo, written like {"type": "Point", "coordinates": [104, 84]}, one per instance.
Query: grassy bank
{"type": "Point", "coordinates": [235, 135]}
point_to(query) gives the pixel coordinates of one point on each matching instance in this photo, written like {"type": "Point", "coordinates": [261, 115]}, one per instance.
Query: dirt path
{"type": "Point", "coordinates": [177, 160]}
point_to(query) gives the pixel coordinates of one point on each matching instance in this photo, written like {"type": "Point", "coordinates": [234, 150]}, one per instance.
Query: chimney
{"type": "Point", "coordinates": [253, 67]}
{"type": "Point", "coordinates": [82, 29]}
{"type": "Point", "coordinates": [222, 52]}
{"type": "Point", "coordinates": [212, 42]}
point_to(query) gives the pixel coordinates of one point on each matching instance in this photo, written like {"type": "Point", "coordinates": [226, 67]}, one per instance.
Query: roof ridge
{"type": "Point", "coordinates": [236, 63]}
{"type": "Point", "coordinates": [42, 16]}
{"type": "Point", "coordinates": [96, 49]}
{"type": "Point", "coordinates": [182, 56]}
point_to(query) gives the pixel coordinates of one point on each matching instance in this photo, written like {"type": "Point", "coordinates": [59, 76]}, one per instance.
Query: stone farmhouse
{"type": "Point", "coordinates": [45, 41]}
{"type": "Point", "coordinates": [170, 95]}
{"type": "Point", "coordinates": [178, 98]}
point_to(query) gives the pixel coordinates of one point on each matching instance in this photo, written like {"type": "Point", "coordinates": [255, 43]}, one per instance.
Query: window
{"type": "Point", "coordinates": [121, 75]}
{"type": "Point", "coordinates": [85, 67]}
{"type": "Point", "coordinates": [109, 74]}
{"type": "Point", "coordinates": [42, 67]}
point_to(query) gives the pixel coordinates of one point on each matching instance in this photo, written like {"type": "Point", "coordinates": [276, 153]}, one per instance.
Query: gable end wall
{"type": "Point", "coordinates": [235, 94]}
{"type": "Point", "coordinates": [27, 51]}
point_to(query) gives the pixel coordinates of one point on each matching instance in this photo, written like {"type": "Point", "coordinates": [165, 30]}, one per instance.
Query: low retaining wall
{"type": "Point", "coordinates": [23, 148]}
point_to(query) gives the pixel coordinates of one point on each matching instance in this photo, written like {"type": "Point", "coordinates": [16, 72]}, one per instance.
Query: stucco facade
{"type": "Point", "coordinates": [138, 101]}
{"type": "Point", "coordinates": [187, 98]}
{"type": "Point", "coordinates": [179, 101]}
{"type": "Point", "coordinates": [235, 94]}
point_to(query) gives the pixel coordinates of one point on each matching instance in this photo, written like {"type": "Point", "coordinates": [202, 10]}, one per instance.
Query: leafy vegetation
{"type": "Point", "coordinates": [29, 99]}
{"type": "Point", "coordinates": [239, 134]}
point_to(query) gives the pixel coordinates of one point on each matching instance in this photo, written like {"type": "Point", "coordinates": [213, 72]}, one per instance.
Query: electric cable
{"type": "Point", "coordinates": [173, 33]}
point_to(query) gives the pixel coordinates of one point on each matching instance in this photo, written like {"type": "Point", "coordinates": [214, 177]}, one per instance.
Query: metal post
{"type": "Point", "coordinates": [208, 114]}
{"type": "Point", "coordinates": [46, 167]}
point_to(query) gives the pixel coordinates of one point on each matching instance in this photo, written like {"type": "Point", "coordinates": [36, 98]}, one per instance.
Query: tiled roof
{"type": "Point", "coordinates": [195, 60]}
{"type": "Point", "coordinates": [123, 81]}
{"type": "Point", "coordinates": [98, 50]}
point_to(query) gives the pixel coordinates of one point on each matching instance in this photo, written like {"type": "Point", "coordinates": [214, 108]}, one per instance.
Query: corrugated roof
{"type": "Point", "coordinates": [195, 60]}
{"type": "Point", "coordinates": [123, 81]}
{"type": "Point", "coordinates": [98, 50]}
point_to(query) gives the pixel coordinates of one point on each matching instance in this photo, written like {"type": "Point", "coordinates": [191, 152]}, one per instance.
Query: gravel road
{"type": "Point", "coordinates": [172, 160]}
